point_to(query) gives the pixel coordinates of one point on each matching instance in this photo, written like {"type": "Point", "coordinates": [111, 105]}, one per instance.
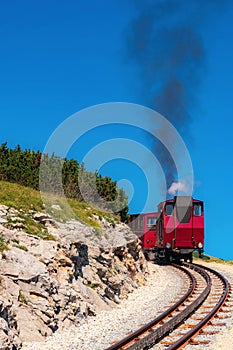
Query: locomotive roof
{"type": "Point", "coordinates": [172, 200]}
{"type": "Point", "coordinates": [150, 213]}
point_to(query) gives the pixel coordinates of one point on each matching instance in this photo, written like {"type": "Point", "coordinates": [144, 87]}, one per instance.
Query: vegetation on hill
{"type": "Point", "coordinates": [27, 201]}
{"type": "Point", "coordinates": [208, 258]}
{"type": "Point", "coordinates": [24, 168]}
{"type": "Point", "coordinates": [3, 245]}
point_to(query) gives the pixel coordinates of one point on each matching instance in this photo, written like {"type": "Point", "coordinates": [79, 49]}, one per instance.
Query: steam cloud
{"type": "Point", "coordinates": [165, 41]}
{"type": "Point", "coordinates": [178, 186]}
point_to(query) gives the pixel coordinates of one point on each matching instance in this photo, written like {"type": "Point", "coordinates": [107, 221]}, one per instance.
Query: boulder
{"type": "Point", "coordinates": [44, 219]}
{"type": "Point", "coordinates": [30, 326]}
{"type": "Point", "coordinates": [10, 286]}
{"type": "Point", "coordinates": [21, 265]}
{"type": "Point", "coordinates": [56, 207]}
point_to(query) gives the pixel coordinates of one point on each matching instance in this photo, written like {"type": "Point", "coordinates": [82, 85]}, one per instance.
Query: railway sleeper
{"type": "Point", "coordinates": [216, 324]}
{"type": "Point", "coordinates": [206, 306]}
{"type": "Point", "coordinates": [204, 332]}
{"type": "Point", "coordinates": [198, 342]}
{"type": "Point", "coordinates": [186, 325]}
{"type": "Point", "coordinates": [167, 343]}
{"type": "Point", "coordinates": [223, 317]}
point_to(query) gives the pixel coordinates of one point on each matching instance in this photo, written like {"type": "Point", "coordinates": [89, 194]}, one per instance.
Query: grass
{"type": "Point", "coordinates": [87, 213]}
{"type": "Point", "coordinates": [37, 229]}
{"type": "Point", "coordinates": [92, 285]}
{"type": "Point", "coordinates": [22, 298]}
{"type": "Point", "coordinates": [208, 258]}
{"type": "Point", "coordinates": [20, 246]}
{"type": "Point", "coordinates": [117, 268]}
{"type": "Point", "coordinates": [3, 245]}
{"type": "Point", "coordinates": [30, 226]}
{"type": "Point", "coordinates": [20, 197]}
{"type": "Point", "coordinates": [26, 200]}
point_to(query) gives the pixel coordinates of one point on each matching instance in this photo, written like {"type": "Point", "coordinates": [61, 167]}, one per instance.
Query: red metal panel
{"type": "Point", "coordinates": [169, 229]}
{"type": "Point", "coordinates": [185, 234]}
{"type": "Point", "coordinates": [141, 225]}
{"type": "Point", "coordinates": [149, 237]}
{"type": "Point", "coordinates": [184, 237]}
{"type": "Point", "coordinates": [198, 225]}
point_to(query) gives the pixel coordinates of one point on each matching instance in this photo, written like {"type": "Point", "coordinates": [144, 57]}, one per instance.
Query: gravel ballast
{"type": "Point", "coordinates": [163, 287]}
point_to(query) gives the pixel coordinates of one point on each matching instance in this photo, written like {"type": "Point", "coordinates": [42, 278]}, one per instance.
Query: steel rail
{"type": "Point", "coordinates": [130, 338]}
{"type": "Point", "coordinates": [196, 329]}
{"type": "Point", "coordinates": [159, 333]}
{"type": "Point", "coordinates": [138, 340]}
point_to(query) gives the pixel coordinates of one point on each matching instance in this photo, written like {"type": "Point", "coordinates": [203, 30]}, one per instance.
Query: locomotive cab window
{"type": "Point", "coordinates": [151, 222]}
{"type": "Point", "coordinates": [197, 209]}
{"type": "Point", "coordinates": [169, 209]}
{"type": "Point", "coordinates": [184, 214]}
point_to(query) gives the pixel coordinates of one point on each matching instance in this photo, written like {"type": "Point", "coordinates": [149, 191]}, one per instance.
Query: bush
{"type": "Point", "coordinates": [3, 245]}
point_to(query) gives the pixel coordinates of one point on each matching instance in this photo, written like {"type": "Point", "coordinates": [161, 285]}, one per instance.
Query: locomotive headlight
{"type": "Point", "coordinates": [168, 245]}
{"type": "Point", "coordinates": [200, 245]}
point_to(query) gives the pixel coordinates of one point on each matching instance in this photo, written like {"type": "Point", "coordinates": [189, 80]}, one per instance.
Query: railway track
{"type": "Point", "coordinates": [181, 323]}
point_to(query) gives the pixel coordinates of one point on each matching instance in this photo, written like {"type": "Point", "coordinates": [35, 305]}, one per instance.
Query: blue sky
{"type": "Point", "coordinates": [59, 57]}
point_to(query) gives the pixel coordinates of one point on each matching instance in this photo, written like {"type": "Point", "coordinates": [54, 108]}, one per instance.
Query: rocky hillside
{"type": "Point", "coordinates": [56, 274]}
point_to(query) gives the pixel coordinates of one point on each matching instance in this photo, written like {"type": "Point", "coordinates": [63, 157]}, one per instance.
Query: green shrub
{"type": "Point", "coordinates": [22, 298]}
{"type": "Point", "coordinates": [3, 245]}
{"type": "Point", "coordinates": [22, 247]}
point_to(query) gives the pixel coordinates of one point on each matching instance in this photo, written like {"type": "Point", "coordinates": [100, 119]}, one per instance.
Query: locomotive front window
{"type": "Point", "coordinates": [197, 209]}
{"type": "Point", "coordinates": [151, 222]}
{"type": "Point", "coordinates": [169, 209]}
{"type": "Point", "coordinates": [184, 214]}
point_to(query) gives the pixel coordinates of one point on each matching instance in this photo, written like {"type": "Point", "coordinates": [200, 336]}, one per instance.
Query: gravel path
{"type": "Point", "coordinates": [142, 305]}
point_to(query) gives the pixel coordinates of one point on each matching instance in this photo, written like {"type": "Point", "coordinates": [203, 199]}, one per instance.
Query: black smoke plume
{"type": "Point", "coordinates": [165, 41]}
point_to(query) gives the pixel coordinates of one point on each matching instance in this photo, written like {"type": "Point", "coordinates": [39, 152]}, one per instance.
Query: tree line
{"type": "Point", "coordinates": [61, 175]}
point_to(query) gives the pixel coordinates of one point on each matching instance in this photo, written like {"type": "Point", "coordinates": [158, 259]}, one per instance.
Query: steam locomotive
{"type": "Point", "coordinates": [172, 233]}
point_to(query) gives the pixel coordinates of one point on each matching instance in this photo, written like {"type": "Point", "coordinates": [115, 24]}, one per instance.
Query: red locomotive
{"type": "Point", "coordinates": [179, 229]}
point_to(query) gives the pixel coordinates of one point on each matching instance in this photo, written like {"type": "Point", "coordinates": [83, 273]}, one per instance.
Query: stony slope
{"type": "Point", "coordinates": [46, 285]}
